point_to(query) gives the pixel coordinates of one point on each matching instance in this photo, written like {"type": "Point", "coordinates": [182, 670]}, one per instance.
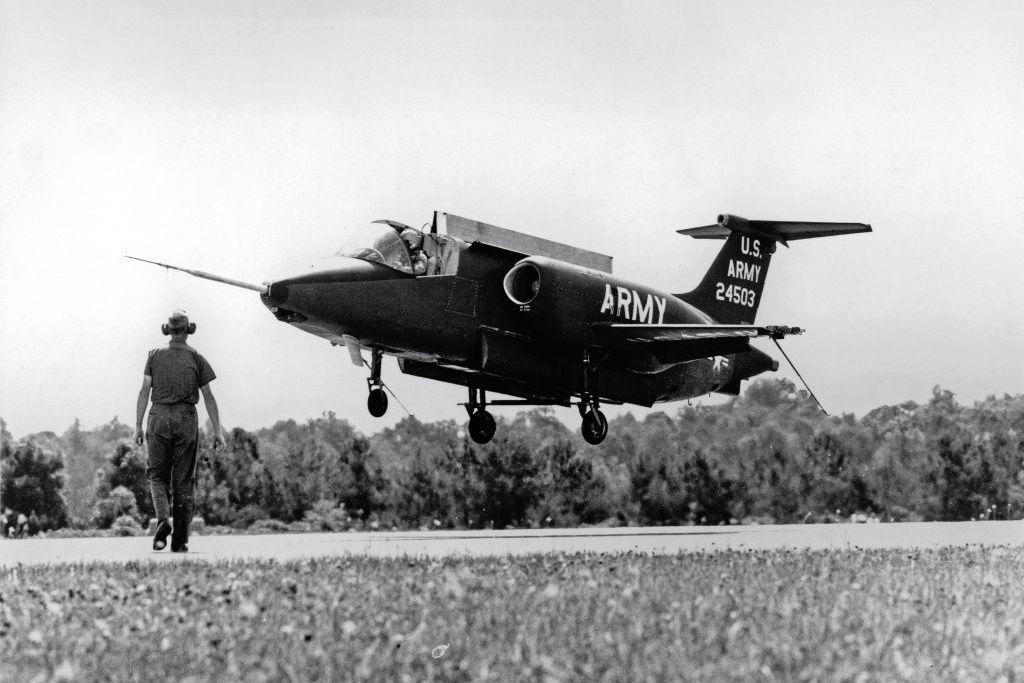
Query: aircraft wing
{"type": "Point", "coordinates": [624, 333]}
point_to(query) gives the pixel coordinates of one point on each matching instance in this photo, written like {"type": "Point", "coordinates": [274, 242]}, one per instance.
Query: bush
{"type": "Point", "coordinates": [326, 516]}
{"type": "Point", "coordinates": [247, 516]}
{"type": "Point", "coordinates": [268, 526]}
{"type": "Point", "coordinates": [120, 503]}
{"type": "Point", "coordinates": [126, 525]}
{"type": "Point", "coordinates": [32, 476]}
{"type": "Point", "coordinates": [126, 467]}
{"type": "Point", "coordinates": [68, 532]}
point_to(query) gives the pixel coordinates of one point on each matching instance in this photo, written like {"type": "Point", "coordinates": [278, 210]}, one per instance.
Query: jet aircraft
{"type": "Point", "coordinates": [495, 310]}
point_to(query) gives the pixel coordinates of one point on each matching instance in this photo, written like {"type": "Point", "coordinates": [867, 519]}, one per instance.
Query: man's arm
{"type": "Point", "coordinates": [140, 408]}
{"type": "Point", "coordinates": [214, 413]}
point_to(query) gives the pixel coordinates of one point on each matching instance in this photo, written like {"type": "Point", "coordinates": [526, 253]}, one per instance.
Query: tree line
{"type": "Point", "coordinates": [768, 456]}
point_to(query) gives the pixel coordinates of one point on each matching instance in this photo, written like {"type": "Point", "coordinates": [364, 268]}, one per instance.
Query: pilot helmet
{"type": "Point", "coordinates": [414, 238]}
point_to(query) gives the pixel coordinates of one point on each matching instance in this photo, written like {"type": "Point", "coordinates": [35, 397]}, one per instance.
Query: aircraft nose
{"type": "Point", "coordinates": [297, 295]}
{"type": "Point", "coordinates": [276, 299]}
{"type": "Point", "coordinates": [277, 293]}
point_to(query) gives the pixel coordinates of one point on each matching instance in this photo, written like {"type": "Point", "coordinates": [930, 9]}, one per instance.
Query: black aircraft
{"type": "Point", "coordinates": [501, 311]}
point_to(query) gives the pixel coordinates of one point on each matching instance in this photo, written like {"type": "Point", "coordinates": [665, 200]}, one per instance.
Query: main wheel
{"type": "Point", "coordinates": [595, 427]}
{"type": "Point", "coordinates": [377, 402]}
{"type": "Point", "coordinates": [481, 426]}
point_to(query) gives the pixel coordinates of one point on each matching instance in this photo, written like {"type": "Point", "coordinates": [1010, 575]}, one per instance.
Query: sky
{"type": "Point", "coordinates": [244, 139]}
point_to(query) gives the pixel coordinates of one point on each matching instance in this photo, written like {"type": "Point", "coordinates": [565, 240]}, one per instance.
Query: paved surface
{"type": "Point", "coordinates": [659, 540]}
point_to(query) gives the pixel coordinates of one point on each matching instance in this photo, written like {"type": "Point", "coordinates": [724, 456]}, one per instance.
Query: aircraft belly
{"type": "Point", "coordinates": [512, 365]}
{"type": "Point", "coordinates": [510, 386]}
{"type": "Point", "coordinates": [511, 356]}
{"type": "Point", "coordinates": [683, 381]}
{"type": "Point", "coordinates": [690, 380]}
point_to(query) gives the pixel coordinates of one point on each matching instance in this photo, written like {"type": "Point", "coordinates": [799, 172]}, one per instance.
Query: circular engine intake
{"type": "Point", "coordinates": [522, 283]}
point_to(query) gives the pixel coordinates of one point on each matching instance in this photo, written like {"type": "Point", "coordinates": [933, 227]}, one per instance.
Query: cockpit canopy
{"type": "Point", "coordinates": [377, 243]}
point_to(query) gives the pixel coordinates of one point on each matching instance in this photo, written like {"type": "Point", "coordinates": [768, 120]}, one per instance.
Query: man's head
{"type": "Point", "coordinates": [178, 326]}
{"type": "Point", "coordinates": [413, 238]}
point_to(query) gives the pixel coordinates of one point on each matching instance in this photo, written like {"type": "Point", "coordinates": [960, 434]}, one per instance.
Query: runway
{"type": "Point", "coordinates": [654, 540]}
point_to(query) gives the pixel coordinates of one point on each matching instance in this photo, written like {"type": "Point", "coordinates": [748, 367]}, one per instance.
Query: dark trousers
{"type": "Point", "coordinates": [172, 435]}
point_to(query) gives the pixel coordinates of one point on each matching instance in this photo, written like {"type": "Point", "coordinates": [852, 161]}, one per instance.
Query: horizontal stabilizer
{"type": "Point", "coordinates": [779, 231]}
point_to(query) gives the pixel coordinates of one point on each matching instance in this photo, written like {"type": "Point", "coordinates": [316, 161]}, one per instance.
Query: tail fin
{"type": "Point", "coordinates": [731, 289]}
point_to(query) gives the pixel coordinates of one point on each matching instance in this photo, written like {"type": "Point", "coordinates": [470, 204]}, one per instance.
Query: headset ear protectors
{"type": "Point", "coordinates": [166, 329]}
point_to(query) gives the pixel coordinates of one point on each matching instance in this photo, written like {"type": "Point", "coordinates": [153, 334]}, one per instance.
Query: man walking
{"type": "Point", "coordinates": [175, 374]}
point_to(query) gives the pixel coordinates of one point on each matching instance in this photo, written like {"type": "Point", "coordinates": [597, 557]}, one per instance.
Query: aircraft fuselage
{"type": "Point", "coordinates": [464, 328]}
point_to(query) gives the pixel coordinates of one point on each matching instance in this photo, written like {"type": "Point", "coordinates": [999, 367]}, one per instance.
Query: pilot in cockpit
{"type": "Point", "coordinates": [414, 240]}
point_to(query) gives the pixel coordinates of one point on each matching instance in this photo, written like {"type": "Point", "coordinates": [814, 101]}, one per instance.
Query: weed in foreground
{"type": "Point", "coordinates": [851, 615]}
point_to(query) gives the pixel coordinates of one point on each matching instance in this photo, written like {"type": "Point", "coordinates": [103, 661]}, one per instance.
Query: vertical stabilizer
{"type": "Point", "coordinates": [731, 289]}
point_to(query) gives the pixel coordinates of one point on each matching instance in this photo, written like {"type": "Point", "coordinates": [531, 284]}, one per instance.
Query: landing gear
{"type": "Point", "coordinates": [377, 401]}
{"type": "Point", "coordinates": [481, 426]}
{"type": "Point", "coordinates": [595, 424]}
{"type": "Point", "coordinates": [481, 422]}
{"type": "Point", "coordinates": [595, 427]}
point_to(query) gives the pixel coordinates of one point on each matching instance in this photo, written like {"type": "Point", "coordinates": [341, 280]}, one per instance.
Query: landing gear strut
{"type": "Point", "coordinates": [595, 424]}
{"type": "Point", "coordinates": [377, 401]}
{"type": "Point", "coordinates": [481, 422]}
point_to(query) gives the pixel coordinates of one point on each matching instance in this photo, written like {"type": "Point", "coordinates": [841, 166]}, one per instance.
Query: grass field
{"type": "Point", "coordinates": [950, 614]}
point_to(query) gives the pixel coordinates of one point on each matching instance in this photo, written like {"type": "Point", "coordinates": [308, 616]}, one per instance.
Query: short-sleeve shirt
{"type": "Point", "coordinates": [178, 371]}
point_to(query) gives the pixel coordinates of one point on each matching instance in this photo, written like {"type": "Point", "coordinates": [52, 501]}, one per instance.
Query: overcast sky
{"type": "Point", "coordinates": [243, 138]}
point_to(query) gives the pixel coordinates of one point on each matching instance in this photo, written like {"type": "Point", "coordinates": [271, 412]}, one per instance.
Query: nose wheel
{"type": "Point", "coordinates": [595, 424]}
{"type": "Point", "coordinates": [594, 427]}
{"type": "Point", "coordinates": [377, 401]}
{"type": "Point", "coordinates": [481, 422]}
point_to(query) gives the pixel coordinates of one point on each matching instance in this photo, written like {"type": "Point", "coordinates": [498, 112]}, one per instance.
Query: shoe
{"type": "Point", "coordinates": [179, 539]}
{"type": "Point", "coordinates": [163, 530]}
